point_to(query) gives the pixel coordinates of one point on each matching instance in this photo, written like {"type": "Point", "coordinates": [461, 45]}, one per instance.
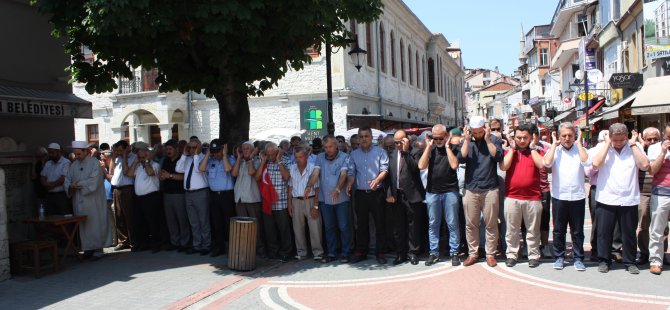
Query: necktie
{"type": "Point", "coordinates": [190, 172]}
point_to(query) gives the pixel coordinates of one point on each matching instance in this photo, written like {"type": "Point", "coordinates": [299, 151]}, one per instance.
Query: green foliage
{"type": "Point", "coordinates": [649, 28]}
{"type": "Point", "coordinates": [218, 46]}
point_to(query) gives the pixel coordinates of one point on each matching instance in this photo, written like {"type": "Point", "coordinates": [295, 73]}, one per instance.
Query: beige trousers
{"type": "Point", "coordinates": [475, 205]}
{"type": "Point", "coordinates": [301, 212]}
{"type": "Point", "coordinates": [528, 212]}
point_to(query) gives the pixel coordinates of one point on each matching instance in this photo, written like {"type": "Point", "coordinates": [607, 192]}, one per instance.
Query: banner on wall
{"type": "Point", "coordinates": [656, 29]}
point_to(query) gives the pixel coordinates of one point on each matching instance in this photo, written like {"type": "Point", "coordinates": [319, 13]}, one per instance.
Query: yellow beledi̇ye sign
{"type": "Point", "coordinates": [582, 96]}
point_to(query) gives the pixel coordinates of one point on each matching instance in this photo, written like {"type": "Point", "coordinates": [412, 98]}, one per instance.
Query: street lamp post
{"type": "Point", "coordinates": [355, 54]}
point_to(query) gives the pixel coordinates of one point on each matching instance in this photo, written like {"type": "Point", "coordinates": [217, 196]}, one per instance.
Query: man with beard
{"type": "Point", "coordinates": [481, 151]}
{"type": "Point", "coordinates": [84, 185]}
{"type": "Point", "coordinates": [441, 193]}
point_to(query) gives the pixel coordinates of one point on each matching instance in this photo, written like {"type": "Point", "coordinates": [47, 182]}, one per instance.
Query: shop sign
{"type": "Point", "coordinates": [626, 80]}
{"type": "Point", "coordinates": [37, 108]}
{"type": "Point", "coordinates": [314, 119]}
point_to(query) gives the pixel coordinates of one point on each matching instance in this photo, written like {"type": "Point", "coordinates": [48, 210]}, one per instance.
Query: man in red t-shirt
{"type": "Point", "coordinates": [523, 203]}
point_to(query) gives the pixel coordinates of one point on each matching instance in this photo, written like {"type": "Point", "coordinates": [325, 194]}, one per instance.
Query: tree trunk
{"type": "Point", "coordinates": [234, 115]}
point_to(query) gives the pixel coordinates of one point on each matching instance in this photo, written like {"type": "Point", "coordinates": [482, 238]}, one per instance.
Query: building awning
{"type": "Point", "coordinates": [653, 98]}
{"type": "Point", "coordinates": [613, 111]}
{"type": "Point", "coordinates": [563, 115]}
{"type": "Point", "coordinates": [595, 120]}
{"type": "Point", "coordinates": [20, 101]}
{"type": "Point", "coordinates": [565, 51]}
{"type": "Point", "coordinates": [580, 121]}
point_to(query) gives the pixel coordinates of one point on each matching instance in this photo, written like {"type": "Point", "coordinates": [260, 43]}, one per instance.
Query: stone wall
{"type": "Point", "coordinates": [4, 240]}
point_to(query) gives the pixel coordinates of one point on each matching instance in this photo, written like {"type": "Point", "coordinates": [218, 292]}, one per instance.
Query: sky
{"type": "Point", "coordinates": [488, 31]}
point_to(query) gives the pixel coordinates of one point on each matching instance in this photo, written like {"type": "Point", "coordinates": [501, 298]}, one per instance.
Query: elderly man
{"type": "Point", "coordinates": [173, 198]}
{"type": "Point", "coordinates": [219, 164]}
{"type": "Point", "coordinates": [84, 184]}
{"type": "Point", "coordinates": [52, 178]}
{"type": "Point", "coordinates": [147, 200]}
{"type": "Point", "coordinates": [567, 159]}
{"type": "Point", "coordinates": [523, 205]}
{"type": "Point", "coordinates": [332, 166]}
{"type": "Point", "coordinates": [303, 205]}
{"type": "Point", "coordinates": [441, 161]}
{"type": "Point", "coordinates": [354, 142]}
{"type": "Point", "coordinates": [247, 196]}
{"type": "Point", "coordinates": [123, 192]}
{"type": "Point", "coordinates": [368, 167]}
{"type": "Point", "coordinates": [196, 196]}
{"type": "Point", "coordinates": [481, 151]}
{"type": "Point", "coordinates": [660, 201]}
{"type": "Point", "coordinates": [650, 136]}
{"type": "Point", "coordinates": [618, 193]}
{"type": "Point", "coordinates": [273, 177]}
{"type": "Point", "coordinates": [388, 145]}
{"type": "Point", "coordinates": [405, 194]}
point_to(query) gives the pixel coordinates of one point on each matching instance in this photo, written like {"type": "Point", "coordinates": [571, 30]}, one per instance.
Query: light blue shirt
{"type": "Point", "coordinates": [366, 166]}
{"type": "Point", "coordinates": [329, 175]}
{"type": "Point", "coordinates": [219, 179]}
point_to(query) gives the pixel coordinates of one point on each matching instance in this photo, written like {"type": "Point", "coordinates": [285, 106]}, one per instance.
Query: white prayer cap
{"type": "Point", "coordinates": [477, 122]}
{"type": "Point", "coordinates": [248, 142]}
{"type": "Point", "coordinates": [53, 146]}
{"type": "Point", "coordinates": [601, 135]}
{"type": "Point", "coordinates": [79, 144]}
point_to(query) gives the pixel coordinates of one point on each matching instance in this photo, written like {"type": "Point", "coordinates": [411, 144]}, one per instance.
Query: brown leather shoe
{"type": "Point", "coordinates": [655, 269]}
{"type": "Point", "coordinates": [471, 260]}
{"type": "Point", "coordinates": [491, 261]}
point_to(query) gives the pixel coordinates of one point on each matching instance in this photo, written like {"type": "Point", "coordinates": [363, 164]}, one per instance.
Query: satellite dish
{"type": "Point", "coordinates": [543, 119]}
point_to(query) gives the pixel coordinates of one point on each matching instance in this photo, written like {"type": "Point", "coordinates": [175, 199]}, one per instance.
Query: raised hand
{"type": "Point", "coordinates": [633, 137]}
{"type": "Point", "coordinates": [505, 144]}
{"type": "Point", "coordinates": [608, 141]}
{"type": "Point", "coordinates": [512, 144]}
{"type": "Point", "coordinates": [225, 149]}
{"type": "Point", "coordinates": [466, 133]}
{"type": "Point", "coordinates": [448, 142]}
{"type": "Point", "coordinates": [579, 137]}
{"type": "Point", "coordinates": [405, 144]}
{"type": "Point", "coordinates": [429, 143]}
{"type": "Point", "coordinates": [665, 146]}
{"type": "Point", "coordinates": [534, 141]}
{"type": "Point", "coordinates": [487, 133]}
{"type": "Point", "coordinates": [555, 141]}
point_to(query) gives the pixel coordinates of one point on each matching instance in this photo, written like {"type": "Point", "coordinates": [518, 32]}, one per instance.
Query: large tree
{"type": "Point", "coordinates": [228, 49]}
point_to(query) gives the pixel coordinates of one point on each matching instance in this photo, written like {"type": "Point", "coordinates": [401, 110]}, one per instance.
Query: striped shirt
{"type": "Point", "coordinates": [298, 181]}
{"type": "Point", "coordinates": [280, 185]}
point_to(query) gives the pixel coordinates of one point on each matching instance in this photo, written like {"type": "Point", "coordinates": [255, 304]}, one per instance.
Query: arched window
{"type": "Point", "coordinates": [402, 61]}
{"type": "Point", "coordinates": [409, 65]}
{"type": "Point", "coordinates": [393, 55]}
{"type": "Point", "coordinates": [418, 69]}
{"type": "Point", "coordinates": [382, 48]}
{"type": "Point", "coordinates": [368, 43]}
{"type": "Point", "coordinates": [423, 65]}
{"type": "Point", "coordinates": [431, 75]}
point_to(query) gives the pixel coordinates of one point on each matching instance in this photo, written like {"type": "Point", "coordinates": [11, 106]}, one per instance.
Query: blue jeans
{"type": "Point", "coordinates": [334, 217]}
{"type": "Point", "coordinates": [447, 204]}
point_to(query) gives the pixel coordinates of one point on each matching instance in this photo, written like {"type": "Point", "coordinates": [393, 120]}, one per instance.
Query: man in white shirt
{"type": "Point", "coordinates": [146, 215]}
{"type": "Point", "coordinates": [52, 177]}
{"type": "Point", "coordinates": [618, 194]}
{"type": "Point", "coordinates": [303, 208]}
{"type": "Point", "coordinates": [123, 192]}
{"type": "Point", "coordinates": [196, 196]}
{"type": "Point", "coordinates": [567, 158]}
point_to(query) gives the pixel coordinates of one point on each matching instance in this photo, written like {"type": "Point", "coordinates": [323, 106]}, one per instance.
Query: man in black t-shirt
{"type": "Point", "coordinates": [441, 192]}
{"type": "Point", "coordinates": [173, 197]}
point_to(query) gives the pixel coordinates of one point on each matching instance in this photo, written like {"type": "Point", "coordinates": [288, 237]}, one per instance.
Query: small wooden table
{"type": "Point", "coordinates": [68, 230]}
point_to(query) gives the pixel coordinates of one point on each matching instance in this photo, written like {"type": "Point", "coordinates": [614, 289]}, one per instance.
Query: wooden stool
{"type": "Point", "coordinates": [31, 250]}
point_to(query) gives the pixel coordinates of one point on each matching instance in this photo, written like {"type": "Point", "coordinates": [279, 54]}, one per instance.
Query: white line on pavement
{"type": "Point", "coordinates": [572, 291]}
{"type": "Point", "coordinates": [283, 295]}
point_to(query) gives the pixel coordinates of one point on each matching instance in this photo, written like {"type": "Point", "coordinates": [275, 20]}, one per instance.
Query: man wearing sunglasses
{"type": "Point", "coordinates": [650, 136]}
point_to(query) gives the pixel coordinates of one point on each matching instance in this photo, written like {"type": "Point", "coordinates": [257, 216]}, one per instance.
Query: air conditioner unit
{"type": "Point", "coordinates": [624, 45]}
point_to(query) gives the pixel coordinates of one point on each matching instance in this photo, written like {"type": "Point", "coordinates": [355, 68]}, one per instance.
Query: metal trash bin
{"type": "Point", "coordinates": [242, 244]}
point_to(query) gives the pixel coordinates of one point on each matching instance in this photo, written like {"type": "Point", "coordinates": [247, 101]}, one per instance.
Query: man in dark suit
{"type": "Point", "coordinates": [405, 193]}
